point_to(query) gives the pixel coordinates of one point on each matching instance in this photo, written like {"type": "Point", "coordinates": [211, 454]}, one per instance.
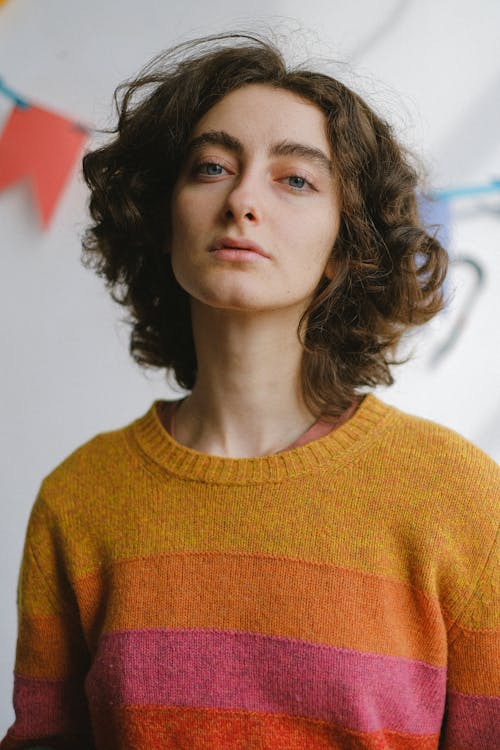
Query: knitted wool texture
{"type": "Point", "coordinates": [343, 594]}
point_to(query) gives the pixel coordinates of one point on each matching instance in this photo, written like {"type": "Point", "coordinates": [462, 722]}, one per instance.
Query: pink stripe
{"type": "Point", "coordinates": [47, 707]}
{"type": "Point", "coordinates": [472, 721]}
{"type": "Point", "coordinates": [240, 670]}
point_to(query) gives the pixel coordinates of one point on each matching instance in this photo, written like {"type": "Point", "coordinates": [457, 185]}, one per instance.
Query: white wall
{"type": "Point", "coordinates": [66, 373]}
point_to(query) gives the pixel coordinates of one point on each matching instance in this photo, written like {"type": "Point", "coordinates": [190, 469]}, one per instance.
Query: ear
{"type": "Point", "coordinates": [329, 271]}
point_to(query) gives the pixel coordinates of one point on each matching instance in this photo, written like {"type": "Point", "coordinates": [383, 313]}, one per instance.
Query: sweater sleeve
{"type": "Point", "coordinates": [472, 716]}
{"type": "Point", "coordinates": [51, 657]}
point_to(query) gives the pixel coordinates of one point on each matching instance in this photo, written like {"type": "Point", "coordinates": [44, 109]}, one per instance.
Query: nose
{"type": "Point", "coordinates": [243, 202]}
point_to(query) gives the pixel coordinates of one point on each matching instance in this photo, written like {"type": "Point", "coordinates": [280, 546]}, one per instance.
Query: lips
{"type": "Point", "coordinates": [234, 243]}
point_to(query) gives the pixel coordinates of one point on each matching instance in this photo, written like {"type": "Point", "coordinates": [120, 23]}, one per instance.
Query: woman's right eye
{"type": "Point", "coordinates": [209, 168]}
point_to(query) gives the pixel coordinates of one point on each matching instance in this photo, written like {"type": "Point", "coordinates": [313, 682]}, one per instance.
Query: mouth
{"type": "Point", "coordinates": [247, 248]}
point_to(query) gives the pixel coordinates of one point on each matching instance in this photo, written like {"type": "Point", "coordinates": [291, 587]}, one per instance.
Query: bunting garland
{"type": "Point", "coordinates": [39, 145]}
{"type": "Point", "coordinates": [43, 146]}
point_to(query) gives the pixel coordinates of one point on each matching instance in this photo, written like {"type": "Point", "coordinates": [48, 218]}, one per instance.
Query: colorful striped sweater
{"type": "Point", "coordinates": [342, 594]}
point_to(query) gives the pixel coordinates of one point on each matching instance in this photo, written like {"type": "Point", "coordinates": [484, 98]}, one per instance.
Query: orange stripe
{"type": "Point", "coordinates": [158, 728]}
{"type": "Point", "coordinates": [44, 649]}
{"type": "Point", "coordinates": [275, 596]}
{"type": "Point", "coordinates": [49, 648]}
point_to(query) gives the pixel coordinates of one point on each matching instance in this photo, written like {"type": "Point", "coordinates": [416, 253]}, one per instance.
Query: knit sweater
{"type": "Point", "coordinates": [342, 594]}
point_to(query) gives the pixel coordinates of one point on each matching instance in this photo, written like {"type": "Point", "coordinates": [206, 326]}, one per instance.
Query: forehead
{"type": "Point", "coordinates": [262, 113]}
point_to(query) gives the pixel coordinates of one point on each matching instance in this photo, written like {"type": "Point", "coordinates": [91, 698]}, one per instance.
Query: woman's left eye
{"type": "Point", "coordinates": [298, 183]}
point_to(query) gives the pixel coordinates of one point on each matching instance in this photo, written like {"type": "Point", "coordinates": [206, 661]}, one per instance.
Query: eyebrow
{"type": "Point", "coordinates": [282, 148]}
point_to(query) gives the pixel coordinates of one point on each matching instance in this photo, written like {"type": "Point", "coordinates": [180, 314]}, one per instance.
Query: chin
{"type": "Point", "coordinates": [239, 296]}
{"type": "Point", "coordinates": [237, 303]}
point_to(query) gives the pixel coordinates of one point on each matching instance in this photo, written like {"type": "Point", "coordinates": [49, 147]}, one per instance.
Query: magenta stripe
{"type": "Point", "coordinates": [47, 707]}
{"type": "Point", "coordinates": [241, 670]}
{"type": "Point", "coordinates": [472, 721]}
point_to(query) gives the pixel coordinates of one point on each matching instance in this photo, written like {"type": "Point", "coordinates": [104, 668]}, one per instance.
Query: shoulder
{"type": "Point", "coordinates": [101, 465]}
{"type": "Point", "coordinates": [421, 440]}
{"type": "Point", "coordinates": [445, 494]}
{"type": "Point", "coordinates": [430, 460]}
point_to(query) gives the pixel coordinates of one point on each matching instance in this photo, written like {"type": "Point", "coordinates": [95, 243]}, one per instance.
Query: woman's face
{"type": "Point", "coordinates": [258, 170]}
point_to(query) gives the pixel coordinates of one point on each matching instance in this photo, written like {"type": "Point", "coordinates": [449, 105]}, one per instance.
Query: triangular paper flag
{"type": "Point", "coordinates": [43, 146]}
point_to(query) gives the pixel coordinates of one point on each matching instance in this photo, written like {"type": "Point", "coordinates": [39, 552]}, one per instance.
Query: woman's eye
{"type": "Point", "coordinates": [296, 181]}
{"type": "Point", "coordinates": [210, 168]}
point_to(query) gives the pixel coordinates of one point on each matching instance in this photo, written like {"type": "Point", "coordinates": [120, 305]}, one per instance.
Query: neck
{"type": "Point", "coordinates": [247, 400]}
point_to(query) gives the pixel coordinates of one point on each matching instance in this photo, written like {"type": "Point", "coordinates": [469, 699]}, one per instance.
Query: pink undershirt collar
{"type": "Point", "coordinates": [320, 428]}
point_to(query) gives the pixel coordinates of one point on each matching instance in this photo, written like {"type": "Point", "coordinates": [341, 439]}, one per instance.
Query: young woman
{"type": "Point", "coordinates": [279, 560]}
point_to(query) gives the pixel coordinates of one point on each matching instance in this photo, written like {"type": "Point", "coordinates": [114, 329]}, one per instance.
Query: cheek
{"type": "Point", "coordinates": [316, 237]}
{"type": "Point", "coordinates": [186, 241]}
{"type": "Point", "coordinates": [180, 212]}
{"type": "Point", "coordinates": [184, 230]}
{"type": "Point", "coordinates": [317, 246]}
{"type": "Point", "coordinates": [327, 235]}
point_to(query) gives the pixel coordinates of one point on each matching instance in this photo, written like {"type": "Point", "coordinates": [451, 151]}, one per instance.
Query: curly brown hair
{"type": "Point", "coordinates": [389, 270]}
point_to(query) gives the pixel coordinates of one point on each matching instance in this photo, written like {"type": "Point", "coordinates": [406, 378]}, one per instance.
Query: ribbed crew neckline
{"type": "Point", "coordinates": [148, 435]}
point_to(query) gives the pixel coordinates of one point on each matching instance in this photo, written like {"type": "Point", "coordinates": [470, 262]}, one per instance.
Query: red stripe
{"type": "Point", "coordinates": [47, 707]}
{"type": "Point", "coordinates": [240, 670]}
{"type": "Point", "coordinates": [472, 721]}
{"type": "Point", "coordinates": [167, 728]}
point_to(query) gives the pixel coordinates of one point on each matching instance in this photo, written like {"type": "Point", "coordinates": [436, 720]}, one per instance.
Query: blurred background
{"type": "Point", "coordinates": [431, 67]}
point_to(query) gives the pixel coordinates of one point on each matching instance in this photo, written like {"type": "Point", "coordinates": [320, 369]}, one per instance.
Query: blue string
{"type": "Point", "coordinates": [18, 101]}
{"type": "Point", "coordinates": [465, 192]}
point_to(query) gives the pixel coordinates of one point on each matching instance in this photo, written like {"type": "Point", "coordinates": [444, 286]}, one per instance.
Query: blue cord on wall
{"type": "Point", "coordinates": [10, 94]}
{"type": "Point", "coordinates": [466, 191]}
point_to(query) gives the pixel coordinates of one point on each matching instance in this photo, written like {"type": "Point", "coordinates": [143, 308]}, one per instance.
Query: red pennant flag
{"type": "Point", "coordinates": [43, 146]}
